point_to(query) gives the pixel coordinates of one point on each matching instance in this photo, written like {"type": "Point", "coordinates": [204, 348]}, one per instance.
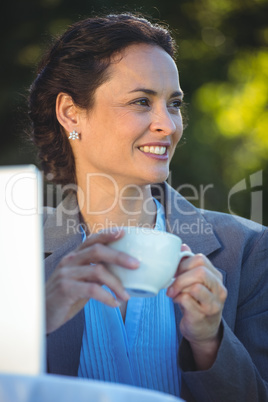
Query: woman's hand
{"type": "Point", "coordinates": [80, 276]}
{"type": "Point", "coordinates": [200, 293]}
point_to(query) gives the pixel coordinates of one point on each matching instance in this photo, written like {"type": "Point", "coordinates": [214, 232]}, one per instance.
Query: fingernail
{"type": "Point", "coordinates": [126, 295]}
{"type": "Point", "coordinates": [117, 303]}
{"type": "Point", "coordinates": [133, 262]}
{"type": "Point", "coordinates": [170, 292]}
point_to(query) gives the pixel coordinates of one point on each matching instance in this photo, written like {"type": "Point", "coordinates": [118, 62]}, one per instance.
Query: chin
{"type": "Point", "coordinates": [159, 178]}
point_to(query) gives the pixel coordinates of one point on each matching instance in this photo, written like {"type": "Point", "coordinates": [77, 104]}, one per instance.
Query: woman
{"type": "Point", "coordinates": [106, 118]}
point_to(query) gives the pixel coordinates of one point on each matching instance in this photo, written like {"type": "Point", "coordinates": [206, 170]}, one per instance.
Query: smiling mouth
{"type": "Point", "coordinates": [153, 150]}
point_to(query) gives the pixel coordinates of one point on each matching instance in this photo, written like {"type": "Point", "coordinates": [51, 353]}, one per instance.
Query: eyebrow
{"type": "Point", "coordinates": [151, 92]}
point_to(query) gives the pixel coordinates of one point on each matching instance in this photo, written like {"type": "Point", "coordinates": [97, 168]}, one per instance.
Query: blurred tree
{"type": "Point", "coordinates": [228, 102]}
{"type": "Point", "coordinates": [223, 62]}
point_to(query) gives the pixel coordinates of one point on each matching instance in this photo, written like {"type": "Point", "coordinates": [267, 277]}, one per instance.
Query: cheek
{"type": "Point", "coordinates": [179, 131]}
{"type": "Point", "coordinates": [176, 137]}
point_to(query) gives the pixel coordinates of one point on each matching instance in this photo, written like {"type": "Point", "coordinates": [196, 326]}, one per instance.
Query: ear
{"type": "Point", "coordinates": [67, 112]}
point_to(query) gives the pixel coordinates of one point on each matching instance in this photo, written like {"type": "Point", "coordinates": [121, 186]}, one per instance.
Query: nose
{"type": "Point", "coordinates": [163, 122]}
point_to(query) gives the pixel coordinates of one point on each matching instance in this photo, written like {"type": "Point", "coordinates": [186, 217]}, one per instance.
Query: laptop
{"type": "Point", "coordinates": [22, 306]}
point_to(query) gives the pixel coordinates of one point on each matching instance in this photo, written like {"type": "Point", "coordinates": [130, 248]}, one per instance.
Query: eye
{"type": "Point", "coordinates": [141, 102]}
{"type": "Point", "coordinates": [176, 104]}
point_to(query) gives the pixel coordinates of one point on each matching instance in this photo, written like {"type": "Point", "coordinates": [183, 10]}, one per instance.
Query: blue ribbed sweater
{"type": "Point", "coordinates": [140, 352]}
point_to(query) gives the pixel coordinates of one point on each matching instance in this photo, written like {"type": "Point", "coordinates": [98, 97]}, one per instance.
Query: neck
{"type": "Point", "coordinates": [105, 203]}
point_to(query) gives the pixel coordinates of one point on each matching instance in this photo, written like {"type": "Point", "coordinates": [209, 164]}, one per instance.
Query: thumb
{"type": "Point", "coordinates": [184, 247]}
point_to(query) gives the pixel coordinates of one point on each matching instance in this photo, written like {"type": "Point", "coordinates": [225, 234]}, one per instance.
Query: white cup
{"type": "Point", "coordinates": [159, 254]}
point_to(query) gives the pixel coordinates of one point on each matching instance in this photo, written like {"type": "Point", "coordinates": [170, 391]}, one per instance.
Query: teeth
{"type": "Point", "coordinates": [153, 150]}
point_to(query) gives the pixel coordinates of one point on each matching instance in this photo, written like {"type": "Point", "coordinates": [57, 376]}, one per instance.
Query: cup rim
{"type": "Point", "coordinates": [146, 230]}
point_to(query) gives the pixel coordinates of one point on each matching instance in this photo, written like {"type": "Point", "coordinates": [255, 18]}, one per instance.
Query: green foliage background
{"type": "Point", "coordinates": [223, 63]}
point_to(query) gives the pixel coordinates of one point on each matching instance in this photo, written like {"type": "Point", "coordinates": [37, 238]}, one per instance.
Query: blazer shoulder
{"type": "Point", "coordinates": [237, 223]}
{"type": "Point", "coordinates": [235, 231]}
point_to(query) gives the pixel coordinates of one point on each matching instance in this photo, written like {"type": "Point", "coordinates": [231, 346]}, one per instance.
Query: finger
{"type": "Point", "coordinates": [187, 303]}
{"type": "Point", "coordinates": [98, 274]}
{"type": "Point", "coordinates": [196, 325]}
{"type": "Point", "coordinates": [206, 302]}
{"type": "Point", "coordinates": [97, 253]}
{"type": "Point", "coordinates": [199, 275]}
{"type": "Point", "coordinates": [103, 237]}
{"type": "Point", "coordinates": [71, 298]}
{"type": "Point", "coordinates": [196, 261]}
{"type": "Point", "coordinates": [70, 293]}
{"type": "Point", "coordinates": [185, 247]}
{"type": "Point", "coordinates": [88, 290]}
{"type": "Point", "coordinates": [100, 294]}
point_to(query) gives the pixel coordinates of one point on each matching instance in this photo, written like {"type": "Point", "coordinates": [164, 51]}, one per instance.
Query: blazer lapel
{"type": "Point", "coordinates": [187, 222]}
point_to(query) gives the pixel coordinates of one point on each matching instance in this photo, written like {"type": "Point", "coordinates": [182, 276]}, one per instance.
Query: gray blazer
{"type": "Point", "coordinates": [239, 249]}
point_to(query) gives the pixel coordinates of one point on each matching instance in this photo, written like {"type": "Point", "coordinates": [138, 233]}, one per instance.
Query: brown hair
{"type": "Point", "coordinates": [77, 64]}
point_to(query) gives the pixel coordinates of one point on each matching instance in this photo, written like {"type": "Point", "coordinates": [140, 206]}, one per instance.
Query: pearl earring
{"type": "Point", "coordinates": [74, 135]}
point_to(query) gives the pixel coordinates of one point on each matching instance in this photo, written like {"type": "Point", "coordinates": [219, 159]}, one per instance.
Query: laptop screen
{"type": "Point", "coordinates": [22, 327]}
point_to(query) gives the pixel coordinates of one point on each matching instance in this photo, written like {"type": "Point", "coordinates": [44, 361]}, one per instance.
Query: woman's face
{"type": "Point", "coordinates": [135, 124]}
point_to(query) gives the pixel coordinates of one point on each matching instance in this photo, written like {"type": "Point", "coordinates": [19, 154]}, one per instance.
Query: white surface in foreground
{"type": "Point", "coordinates": [50, 388]}
{"type": "Point", "coordinates": [21, 271]}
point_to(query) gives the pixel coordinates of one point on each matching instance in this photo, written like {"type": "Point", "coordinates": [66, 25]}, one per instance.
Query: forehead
{"type": "Point", "coordinates": [145, 65]}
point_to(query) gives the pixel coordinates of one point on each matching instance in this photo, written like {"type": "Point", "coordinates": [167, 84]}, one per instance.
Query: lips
{"type": "Point", "coordinates": [156, 150]}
